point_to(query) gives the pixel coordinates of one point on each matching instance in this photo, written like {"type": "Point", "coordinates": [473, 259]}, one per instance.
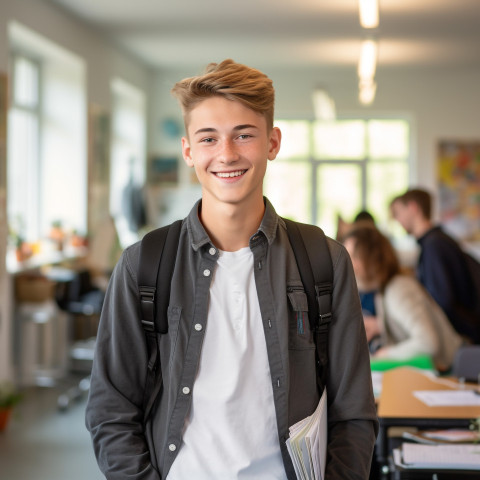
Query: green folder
{"type": "Point", "coordinates": [420, 361]}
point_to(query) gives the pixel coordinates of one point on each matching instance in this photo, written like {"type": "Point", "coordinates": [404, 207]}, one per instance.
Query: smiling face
{"type": "Point", "coordinates": [229, 144]}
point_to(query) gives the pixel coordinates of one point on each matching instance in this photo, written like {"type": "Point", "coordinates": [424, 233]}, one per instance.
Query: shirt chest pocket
{"type": "Point", "coordinates": [299, 333]}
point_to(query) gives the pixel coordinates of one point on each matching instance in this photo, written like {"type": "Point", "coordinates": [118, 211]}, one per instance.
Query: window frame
{"type": "Point", "coordinates": [362, 163]}
{"type": "Point", "coordinates": [32, 224]}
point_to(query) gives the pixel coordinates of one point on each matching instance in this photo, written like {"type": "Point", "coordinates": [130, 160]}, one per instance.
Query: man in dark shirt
{"type": "Point", "coordinates": [442, 266]}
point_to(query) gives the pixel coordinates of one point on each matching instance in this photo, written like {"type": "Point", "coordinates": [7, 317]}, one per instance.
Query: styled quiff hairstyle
{"type": "Point", "coordinates": [419, 196]}
{"type": "Point", "coordinates": [375, 252]}
{"type": "Point", "coordinates": [232, 81]}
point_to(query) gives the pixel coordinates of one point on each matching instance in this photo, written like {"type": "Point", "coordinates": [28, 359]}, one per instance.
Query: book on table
{"type": "Point", "coordinates": [448, 457]}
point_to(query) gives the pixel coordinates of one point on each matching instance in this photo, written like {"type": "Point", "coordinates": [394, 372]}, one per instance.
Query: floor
{"type": "Point", "coordinates": [42, 442]}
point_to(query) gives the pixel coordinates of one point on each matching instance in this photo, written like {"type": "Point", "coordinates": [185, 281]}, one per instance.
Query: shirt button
{"type": "Point", "coordinates": [212, 251]}
{"type": "Point", "coordinates": [206, 272]}
{"type": "Point", "coordinates": [186, 390]}
{"type": "Point", "coordinates": [172, 447]}
{"type": "Point", "coordinates": [198, 327]}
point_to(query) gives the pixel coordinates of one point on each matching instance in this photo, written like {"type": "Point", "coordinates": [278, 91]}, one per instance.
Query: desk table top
{"type": "Point", "coordinates": [398, 401]}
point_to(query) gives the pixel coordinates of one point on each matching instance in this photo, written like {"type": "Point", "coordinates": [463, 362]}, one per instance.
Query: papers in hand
{"type": "Point", "coordinates": [307, 444]}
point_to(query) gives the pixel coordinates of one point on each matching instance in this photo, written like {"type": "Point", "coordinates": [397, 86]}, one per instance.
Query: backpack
{"type": "Point", "coordinates": [157, 261]}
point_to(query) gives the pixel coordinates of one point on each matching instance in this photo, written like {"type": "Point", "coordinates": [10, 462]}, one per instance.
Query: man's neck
{"type": "Point", "coordinates": [421, 227]}
{"type": "Point", "coordinates": [230, 226]}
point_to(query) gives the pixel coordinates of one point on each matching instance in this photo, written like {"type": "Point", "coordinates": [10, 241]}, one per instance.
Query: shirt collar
{"type": "Point", "coordinates": [199, 236]}
{"type": "Point", "coordinates": [435, 228]}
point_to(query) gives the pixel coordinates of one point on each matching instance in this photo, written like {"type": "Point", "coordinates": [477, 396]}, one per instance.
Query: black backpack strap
{"type": "Point", "coordinates": [157, 260]}
{"type": "Point", "coordinates": [314, 262]}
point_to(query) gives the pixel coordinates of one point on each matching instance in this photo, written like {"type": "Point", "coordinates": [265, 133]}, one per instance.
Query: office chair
{"type": "Point", "coordinates": [466, 363]}
{"type": "Point", "coordinates": [83, 301]}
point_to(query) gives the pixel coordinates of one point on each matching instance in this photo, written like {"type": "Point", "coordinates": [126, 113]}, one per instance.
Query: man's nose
{"type": "Point", "coordinates": [228, 152]}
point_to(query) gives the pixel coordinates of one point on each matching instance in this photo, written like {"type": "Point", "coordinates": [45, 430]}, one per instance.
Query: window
{"type": "Point", "coordinates": [339, 168]}
{"type": "Point", "coordinates": [24, 147]}
{"type": "Point", "coordinates": [127, 203]}
{"type": "Point", "coordinates": [47, 158]}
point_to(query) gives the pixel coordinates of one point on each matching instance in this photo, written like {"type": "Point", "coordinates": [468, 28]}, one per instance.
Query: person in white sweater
{"type": "Point", "coordinates": [406, 319]}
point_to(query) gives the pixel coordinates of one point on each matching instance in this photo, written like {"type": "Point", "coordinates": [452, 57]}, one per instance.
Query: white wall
{"type": "Point", "coordinates": [103, 63]}
{"type": "Point", "coordinates": [442, 104]}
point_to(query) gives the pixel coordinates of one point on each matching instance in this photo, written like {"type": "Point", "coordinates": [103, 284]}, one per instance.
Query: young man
{"type": "Point", "coordinates": [237, 369]}
{"type": "Point", "coordinates": [442, 267]}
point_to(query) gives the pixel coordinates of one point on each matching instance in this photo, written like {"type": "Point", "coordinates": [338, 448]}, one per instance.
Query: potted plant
{"type": "Point", "coordinates": [57, 234]}
{"type": "Point", "coordinates": [9, 397]}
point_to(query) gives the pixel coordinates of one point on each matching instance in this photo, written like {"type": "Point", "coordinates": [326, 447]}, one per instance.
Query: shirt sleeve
{"type": "Point", "coordinates": [114, 414]}
{"type": "Point", "coordinates": [437, 277]}
{"type": "Point", "coordinates": [352, 418]}
{"type": "Point", "coordinates": [408, 309]}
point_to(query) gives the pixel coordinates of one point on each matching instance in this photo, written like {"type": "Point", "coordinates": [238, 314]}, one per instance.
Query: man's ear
{"type": "Point", "coordinates": [187, 152]}
{"type": "Point", "coordinates": [274, 143]}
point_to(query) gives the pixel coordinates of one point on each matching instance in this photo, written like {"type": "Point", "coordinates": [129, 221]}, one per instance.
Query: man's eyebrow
{"type": "Point", "coordinates": [236, 128]}
{"type": "Point", "coordinates": [244, 126]}
{"type": "Point", "coordinates": [206, 129]}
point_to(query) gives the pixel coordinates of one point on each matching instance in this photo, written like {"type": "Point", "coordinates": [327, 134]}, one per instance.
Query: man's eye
{"type": "Point", "coordinates": [207, 140]}
{"type": "Point", "coordinates": [244, 136]}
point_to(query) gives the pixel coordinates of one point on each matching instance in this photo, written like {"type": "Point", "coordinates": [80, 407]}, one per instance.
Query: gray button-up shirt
{"type": "Point", "coordinates": [125, 448]}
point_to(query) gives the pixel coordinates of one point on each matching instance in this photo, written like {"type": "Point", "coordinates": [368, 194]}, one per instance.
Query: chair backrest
{"type": "Point", "coordinates": [466, 363]}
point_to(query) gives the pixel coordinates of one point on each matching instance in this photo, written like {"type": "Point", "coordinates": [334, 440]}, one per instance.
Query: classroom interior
{"type": "Point", "coordinates": [90, 155]}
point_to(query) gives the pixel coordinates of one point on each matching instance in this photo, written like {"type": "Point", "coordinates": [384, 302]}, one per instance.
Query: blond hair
{"type": "Point", "coordinates": [232, 81]}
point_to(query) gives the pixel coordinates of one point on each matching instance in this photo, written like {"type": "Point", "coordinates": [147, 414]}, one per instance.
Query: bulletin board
{"type": "Point", "coordinates": [459, 187]}
{"type": "Point", "coordinates": [4, 301]}
{"type": "Point", "coordinates": [3, 129]}
{"type": "Point", "coordinates": [98, 166]}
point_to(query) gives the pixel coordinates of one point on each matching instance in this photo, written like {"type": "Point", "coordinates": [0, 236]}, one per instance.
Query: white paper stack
{"type": "Point", "coordinates": [451, 457]}
{"type": "Point", "coordinates": [307, 444]}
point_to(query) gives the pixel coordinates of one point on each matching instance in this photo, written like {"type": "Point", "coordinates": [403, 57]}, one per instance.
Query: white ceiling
{"type": "Point", "coordinates": [294, 33]}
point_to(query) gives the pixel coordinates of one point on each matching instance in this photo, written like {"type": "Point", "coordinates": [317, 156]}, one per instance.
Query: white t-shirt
{"type": "Point", "coordinates": [231, 432]}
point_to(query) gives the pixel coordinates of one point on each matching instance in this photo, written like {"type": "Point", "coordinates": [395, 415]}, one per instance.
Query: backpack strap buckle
{"type": "Point", "coordinates": [324, 299]}
{"type": "Point", "coordinates": [147, 306]}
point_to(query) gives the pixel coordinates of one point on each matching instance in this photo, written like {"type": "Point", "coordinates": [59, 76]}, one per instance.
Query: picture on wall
{"type": "Point", "coordinates": [459, 187]}
{"type": "Point", "coordinates": [3, 130]}
{"type": "Point", "coordinates": [163, 169]}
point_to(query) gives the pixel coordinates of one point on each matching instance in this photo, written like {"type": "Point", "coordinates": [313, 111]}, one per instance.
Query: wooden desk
{"type": "Point", "coordinates": [398, 406]}
{"type": "Point", "coordinates": [397, 399]}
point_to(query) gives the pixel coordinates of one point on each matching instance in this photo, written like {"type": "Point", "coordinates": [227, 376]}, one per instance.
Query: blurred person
{"type": "Point", "coordinates": [366, 297]}
{"type": "Point", "coordinates": [343, 226]}
{"type": "Point", "coordinates": [407, 320]}
{"type": "Point", "coordinates": [235, 356]}
{"type": "Point", "coordinates": [364, 216]}
{"type": "Point", "coordinates": [442, 265]}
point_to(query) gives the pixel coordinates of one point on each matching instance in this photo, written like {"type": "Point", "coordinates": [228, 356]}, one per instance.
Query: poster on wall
{"type": "Point", "coordinates": [163, 169]}
{"type": "Point", "coordinates": [98, 166]}
{"type": "Point", "coordinates": [3, 130]}
{"type": "Point", "coordinates": [459, 187]}
{"type": "Point", "coordinates": [3, 195]}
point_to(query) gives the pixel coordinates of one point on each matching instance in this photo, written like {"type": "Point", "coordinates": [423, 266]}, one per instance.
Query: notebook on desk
{"type": "Point", "coordinates": [448, 457]}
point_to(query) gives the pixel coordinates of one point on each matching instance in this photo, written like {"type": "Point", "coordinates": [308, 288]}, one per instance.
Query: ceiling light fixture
{"type": "Point", "coordinates": [367, 66]}
{"type": "Point", "coordinates": [368, 10]}
{"type": "Point", "coordinates": [366, 91]}
{"type": "Point", "coordinates": [368, 59]}
{"type": "Point", "coordinates": [323, 105]}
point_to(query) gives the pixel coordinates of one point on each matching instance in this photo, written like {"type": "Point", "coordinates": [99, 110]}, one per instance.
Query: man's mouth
{"type": "Point", "coordinates": [237, 173]}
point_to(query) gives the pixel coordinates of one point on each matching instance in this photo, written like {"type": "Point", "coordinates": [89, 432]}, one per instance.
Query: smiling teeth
{"type": "Point", "coordinates": [230, 174]}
